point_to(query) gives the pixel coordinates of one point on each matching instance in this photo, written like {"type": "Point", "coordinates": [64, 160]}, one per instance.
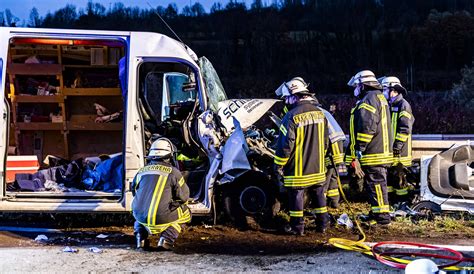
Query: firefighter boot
{"type": "Point", "coordinates": [164, 244]}
{"type": "Point", "coordinates": [140, 243]}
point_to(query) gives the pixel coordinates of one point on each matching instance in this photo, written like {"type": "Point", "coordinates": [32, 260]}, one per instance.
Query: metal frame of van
{"type": "Point", "coordinates": [140, 47]}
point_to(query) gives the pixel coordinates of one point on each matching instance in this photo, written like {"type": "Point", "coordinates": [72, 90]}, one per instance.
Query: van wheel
{"type": "Point", "coordinates": [427, 209]}
{"type": "Point", "coordinates": [248, 204]}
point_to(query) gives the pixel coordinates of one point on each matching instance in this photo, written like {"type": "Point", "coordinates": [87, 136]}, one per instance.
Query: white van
{"type": "Point", "coordinates": [89, 129]}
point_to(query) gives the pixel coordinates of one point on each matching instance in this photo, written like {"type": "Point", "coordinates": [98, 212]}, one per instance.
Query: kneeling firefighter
{"type": "Point", "coordinates": [160, 197]}
{"type": "Point", "coordinates": [299, 156]}
{"type": "Point", "coordinates": [402, 125]}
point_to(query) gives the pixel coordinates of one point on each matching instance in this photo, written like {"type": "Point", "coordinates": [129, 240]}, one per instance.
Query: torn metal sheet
{"type": "Point", "coordinates": [246, 111]}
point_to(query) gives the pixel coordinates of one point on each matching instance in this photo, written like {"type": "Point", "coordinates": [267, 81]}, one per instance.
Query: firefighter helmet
{"type": "Point", "coordinates": [424, 266]}
{"type": "Point", "coordinates": [162, 148]}
{"type": "Point", "coordinates": [392, 82]}
{"type": "Point", "coordinates": [297, 86]}
{"type": "Point", "coordinates": [365, 77]}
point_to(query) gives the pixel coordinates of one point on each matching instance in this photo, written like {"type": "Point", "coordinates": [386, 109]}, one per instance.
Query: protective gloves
{"type": "Point", "coordinates": [277, 177]}
{"type": "Point", "coordinates": [357, 169]}
{"type": "Point", "coordinates": [397, 149]}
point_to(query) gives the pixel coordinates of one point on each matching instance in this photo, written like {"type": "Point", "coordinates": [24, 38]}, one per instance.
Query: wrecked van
{"type": "Point", "coordinates": [82, 107]}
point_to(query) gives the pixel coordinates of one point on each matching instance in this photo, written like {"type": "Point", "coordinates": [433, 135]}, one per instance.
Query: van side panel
{"type": "Point", "coordinates": [3, 110]}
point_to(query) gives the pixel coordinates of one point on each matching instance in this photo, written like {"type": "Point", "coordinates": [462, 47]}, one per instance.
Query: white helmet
{"type": "Point", "coordinates": [294, 86]}
{"type": "Point", "coordinates": [365, 77]}
{"type": "Point", "coordinates": [422, 266]}
{"type": "Point", "coordinates": [392, 82]}
{"type": "Point", "coordinates": [162, 148]}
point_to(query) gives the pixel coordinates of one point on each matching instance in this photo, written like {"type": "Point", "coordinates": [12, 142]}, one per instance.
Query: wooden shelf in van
{"type": "Point", "coordinates": [34, 69]}
{"type": "Point", "coordinates": [91, 91]}
{"type": "Point", "coordinates": [39, 126]}
{"type": "Point", "coordinates": [86, 126]}
{"type": "Point", "coordinates": [38, 99]}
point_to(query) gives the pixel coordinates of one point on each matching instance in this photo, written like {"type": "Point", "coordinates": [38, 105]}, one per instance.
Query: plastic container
{"type": "Point", "coordinates": [21, 164]}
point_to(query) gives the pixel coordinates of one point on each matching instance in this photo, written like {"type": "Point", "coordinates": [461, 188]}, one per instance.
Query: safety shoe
{"type": "Point", "coordinates": [141, 242]}
{"type": "Point", "coordinates": [164, 245]}
{"type": "Point", "coordinates": [290, 231]}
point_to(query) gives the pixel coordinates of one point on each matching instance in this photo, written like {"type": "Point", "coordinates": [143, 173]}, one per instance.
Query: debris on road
{"type": "Point", "coordinates": [70, 249]}
{"type": "Point", "coordinates": [102, 236]}
{"type": "Point", "coordinates": [95, 249]}
{"type": "Point", "coordinates": [41, 238]}
{"type": "Point", "coordinates": [345, 220]}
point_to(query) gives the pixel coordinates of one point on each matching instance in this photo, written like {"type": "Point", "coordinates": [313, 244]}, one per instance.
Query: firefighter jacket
{"type": "Point", "coordinates": [302, 145]}
{"type": "Point", "coordinates": [160, 197]}
{"type": "Point", "coordinates": [370, 131]}
{"type": "Point", "coordinates": [336, 152]}
{"type": "Point", "coordinates": [402, 125]}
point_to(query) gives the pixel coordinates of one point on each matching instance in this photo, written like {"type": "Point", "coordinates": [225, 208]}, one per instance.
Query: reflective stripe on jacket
{"type": "Point", "coordinates": [160, 197]}
{"type": "Point", "coordinates": [370, 131]}
{"type": "Point", "coordinates": [302, 145]}
{"type": "Point", "coordinates": [402, 125]}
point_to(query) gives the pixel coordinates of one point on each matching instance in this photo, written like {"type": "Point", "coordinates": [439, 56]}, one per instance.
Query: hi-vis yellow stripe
{"type": "Point", "coordinates": [280, 161]}
{"type": "Point", "coordinates": [351, 130]}
{"type": "Point", "coordinates": [181, 181]}
{"type": "Point", "coordinates": [378, 191]}
{"type": "Point", "coordinates": [367, 107]}
{"type": "Point", "coordinates": [283, 130]}
{"type": "Point", "coordinates": [299, 151]}
{"type": "Point", "coordinates": [157, 197]}
{"type": "Point", "coordinates": [394, 123]}
{"type": "Point", "coordinates": [296, 213]}
{"type": "Point", "coordinates": [153, 200]}
{"type": "Point", "coordinates": [321, 146]}
{"type": "Point", "coordinates": [385, 127]}
{"type": "Point", "coordinates": [405, 114]}
{"type": "Point", "coordinates": [401, 137]}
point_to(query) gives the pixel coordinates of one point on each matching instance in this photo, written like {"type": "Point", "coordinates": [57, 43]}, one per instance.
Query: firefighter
{"type": "Point", "coordinates": [402, 124]}
{"type": "Point", "coordinates": [160, 197]}
{"type": "Point", "coordinates": [331, 188]}
{"type": "Point", "coordinates": [369, 153]}
{"type": "Point", "coordinates": [299, 156]}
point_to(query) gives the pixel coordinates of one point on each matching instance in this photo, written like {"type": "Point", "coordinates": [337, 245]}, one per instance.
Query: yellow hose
{"type": "Point", "coordinates": [360, 246]}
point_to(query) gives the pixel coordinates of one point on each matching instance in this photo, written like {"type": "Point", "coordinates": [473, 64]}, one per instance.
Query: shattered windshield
{"type": "Point", "coordinates": [215, 90]}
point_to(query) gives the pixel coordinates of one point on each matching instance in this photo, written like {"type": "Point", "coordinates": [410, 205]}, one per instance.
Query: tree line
{"type": "Point", "coordinates": [426, 43]}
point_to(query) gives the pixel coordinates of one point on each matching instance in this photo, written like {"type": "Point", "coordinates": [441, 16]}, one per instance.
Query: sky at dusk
{"type": "Point", "coordinates": [22, 8]}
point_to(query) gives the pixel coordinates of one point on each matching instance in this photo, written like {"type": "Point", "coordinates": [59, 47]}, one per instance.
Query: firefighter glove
{"type": "Point", "coordinates": [278, 177]}
{"type": "Point", "coordinates": [397, 149]}
{"type": "Point", "coordinates": [357, 169]}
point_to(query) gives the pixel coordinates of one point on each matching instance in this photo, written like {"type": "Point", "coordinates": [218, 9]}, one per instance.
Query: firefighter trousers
{"type": "Point", "coordinates": [318, 205]}
{"type": "Point", "coordinates": [331, 189]}
{"type": "Point", "coordinates": [375, 183]}
{"type": "Point", "coordinates": [170, 234]}
{"type": "Point", "coordinates": [296, 206]}
{"type": "Point", "coordinates": [397, 185]}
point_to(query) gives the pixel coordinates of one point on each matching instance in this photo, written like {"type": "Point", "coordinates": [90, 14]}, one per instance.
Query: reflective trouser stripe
{"type": "Point", "coordinates": [389, 189]}
{"type": "Point", "coordinates": [298, 213]}
{"type": "Point", "coordinates": [378, 191]}
{"type": "Point", "coordinates": [401, 191]}
{"type": "Point", "coordinates": [320, 210]}
{"type": "Point", "coordinates": [332, 193]}
{"type": "Point", "coordinates": [381, 209]}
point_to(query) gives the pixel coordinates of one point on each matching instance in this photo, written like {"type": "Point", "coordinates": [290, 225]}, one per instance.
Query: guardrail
{"type": "Point", "coordinates": [430, 144]}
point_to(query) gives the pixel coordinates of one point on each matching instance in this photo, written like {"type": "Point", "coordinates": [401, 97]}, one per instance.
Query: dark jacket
{"type": "Point", "coordinates": [302, 145]}
{"type": "Point", "coordinates": [370, 131]}
{"type": "Point", "coordinates": [402, 125]}
{"type": "Point", "coordinates": [161, 195]}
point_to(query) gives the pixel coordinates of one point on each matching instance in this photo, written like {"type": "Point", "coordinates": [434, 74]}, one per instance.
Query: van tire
{"type": "Point", "coordinates": [250, 203]}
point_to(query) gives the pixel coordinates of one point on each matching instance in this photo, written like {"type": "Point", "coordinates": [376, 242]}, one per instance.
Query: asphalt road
{"type": "Point", "coordinates": [54, 260]}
